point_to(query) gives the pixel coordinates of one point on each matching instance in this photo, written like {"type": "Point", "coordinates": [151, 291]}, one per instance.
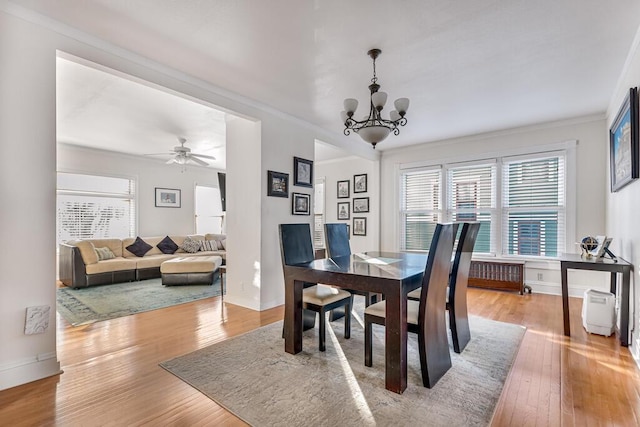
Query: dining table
{"type": "Point", "coordinates": [393, 274]}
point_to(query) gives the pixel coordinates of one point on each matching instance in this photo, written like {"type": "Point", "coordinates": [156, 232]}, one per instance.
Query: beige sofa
{"type": "Point", "coordinates": [80, 266]}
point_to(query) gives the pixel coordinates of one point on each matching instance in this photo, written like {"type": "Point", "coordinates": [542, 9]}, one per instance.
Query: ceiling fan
{"type": "Point", "coordinates": [182, 155]}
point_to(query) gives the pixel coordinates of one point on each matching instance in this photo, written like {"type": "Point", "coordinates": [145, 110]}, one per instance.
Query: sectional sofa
{"type": "Point", "coordinates": [84, 263]}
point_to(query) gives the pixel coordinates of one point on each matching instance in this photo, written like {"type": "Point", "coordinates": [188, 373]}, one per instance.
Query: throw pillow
{"type": "Point", "coordinates": [167, 246]}
{"type": "Point", "coordinates": [223, 244]}
{"type": "Point", "coordinates": [208, 245]}
{"type": "Point", "coordinates": [190, 245]}
{"type": "Point", "coordinates": [104, 254]}
{"type": "Point", "coordinates": [139, 247]}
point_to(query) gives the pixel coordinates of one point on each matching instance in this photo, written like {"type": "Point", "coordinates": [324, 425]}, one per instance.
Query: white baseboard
{"type": "Point", "coordinates": [28, 370]}
{"type": "Point", "coordinates": [551, 288]}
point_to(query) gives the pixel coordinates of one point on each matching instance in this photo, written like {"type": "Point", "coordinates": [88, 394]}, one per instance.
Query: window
{"type": "Point", "coordinates": [318, 214]}
{"type": "Point", "coordinates": [528, 219]}
{"type": "Point", "coordinates": [90, 206]}
{"type": "Point", "coordinates": [209, 216]}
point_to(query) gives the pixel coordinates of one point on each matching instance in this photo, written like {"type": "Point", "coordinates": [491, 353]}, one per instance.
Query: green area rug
{"type": "Point", "coordinates": [253, 377]}
{"type": "Point", "coordinates": [97, 303]}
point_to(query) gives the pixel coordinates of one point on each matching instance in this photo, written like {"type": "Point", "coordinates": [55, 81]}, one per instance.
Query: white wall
{"type": "Point", "coordinates": [149, 174]}
{"type": "Point", "coordinates": [622, 207]}
{"type": "Point", "coordinates": [590, 195]}
{"type": "Point", "coordinates": [344, 169]}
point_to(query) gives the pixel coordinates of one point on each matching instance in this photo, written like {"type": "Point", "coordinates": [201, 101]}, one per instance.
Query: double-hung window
{"type": "Point", "coordinates": [92, 207]}
{"type": "Point", "coordinates": [520, 203]}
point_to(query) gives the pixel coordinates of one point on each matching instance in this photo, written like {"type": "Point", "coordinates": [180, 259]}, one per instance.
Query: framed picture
{"type": "Point", "coordinates": [359, 226]}
{"type": "Point", "coordinates": [302, 172]}
{"type": "Point", "coordinates": [623, 143]}
{"type": "Point", "coordinates": [343, 210]}
{"type": "Point", "coordinates": [360, 205]}
{"type": "Point", "coordinates": [360, 183]}
{"type": "Point", "coordinates": [277, 184]}
{"type": "Point", "coordinates": [301, 204]}
{"type": "Point", "coordinates": [167, 198]}
{"type": "Point", "coordinates": [343, 189]}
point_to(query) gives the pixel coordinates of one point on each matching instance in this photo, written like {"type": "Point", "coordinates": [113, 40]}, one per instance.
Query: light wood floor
{"type": "Point", "coordinates": [111, 373]}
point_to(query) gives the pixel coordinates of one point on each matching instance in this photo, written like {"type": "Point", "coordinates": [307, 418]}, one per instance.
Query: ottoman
{"type": "Point", "coordinates": [197, 270]}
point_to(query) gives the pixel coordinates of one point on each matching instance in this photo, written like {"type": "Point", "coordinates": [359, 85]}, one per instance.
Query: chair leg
{"type": "Point", "coordinates": [323, 330]}
{"type": "Point", "coordinates": [347, 318]}
{"type": "Point", "coordinates": [368, 342]}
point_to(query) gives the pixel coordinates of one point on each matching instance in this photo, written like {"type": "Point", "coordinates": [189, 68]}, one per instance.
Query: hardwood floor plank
{"type": "Point", "coordinates": [111, 373]}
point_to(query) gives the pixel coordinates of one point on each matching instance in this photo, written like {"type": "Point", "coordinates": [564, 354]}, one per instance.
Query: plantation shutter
{"type": "Point", "coordinates": [421, 207]}
{"type": "Point", "coordinates": [534, 205]}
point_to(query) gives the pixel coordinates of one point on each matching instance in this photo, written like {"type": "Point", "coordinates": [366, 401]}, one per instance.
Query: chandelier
{"type": "Point", "coordinates": [373, 128]}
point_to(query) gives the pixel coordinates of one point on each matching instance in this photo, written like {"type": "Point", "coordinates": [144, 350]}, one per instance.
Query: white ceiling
{"type": "Point", "coordinates": [467, 66]}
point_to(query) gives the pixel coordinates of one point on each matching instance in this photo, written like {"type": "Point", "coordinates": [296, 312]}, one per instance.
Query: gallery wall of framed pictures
{"type": "Point", "coordinates": [358, 205]}
{"type": "Point", "coordinates": [278, 185]}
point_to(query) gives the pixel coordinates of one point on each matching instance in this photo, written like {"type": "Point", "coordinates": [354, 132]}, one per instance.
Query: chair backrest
{"type": "Point", "coordinates": [296, 246]}
{"type": "Point", "coordinates": [336, 239]}
{"type": "Point", "coordinates": [436, 273]}
{"type": "Point", "coordinates": [462, 263]}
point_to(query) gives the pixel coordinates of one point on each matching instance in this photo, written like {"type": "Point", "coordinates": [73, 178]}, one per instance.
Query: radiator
{"type": "Point", "coordinates": [502, 275]}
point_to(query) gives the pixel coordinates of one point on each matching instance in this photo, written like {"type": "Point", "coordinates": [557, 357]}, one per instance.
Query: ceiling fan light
{"type": "Point", "coordinates": [374, 134]}
{"type": "Point", "coordinates": [350, 106]}
{"type": "Point", "coordinates": [402, 105]}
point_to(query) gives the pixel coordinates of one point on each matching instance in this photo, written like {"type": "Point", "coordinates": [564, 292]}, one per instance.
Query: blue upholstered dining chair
{"type": "Point", "coordinates": [427, 316]}
{"type": "Point", "coordinates": [296, 248]}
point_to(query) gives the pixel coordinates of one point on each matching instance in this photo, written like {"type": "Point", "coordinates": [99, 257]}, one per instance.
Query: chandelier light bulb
{"type": "Point", "coordinates": [379, 99]}
{"type": "Point", "coordinates": [350, 106]}
{"type": "Point", "coordinates": [394, 115]}
{"type": "Point", "coordinates": [402, 105]}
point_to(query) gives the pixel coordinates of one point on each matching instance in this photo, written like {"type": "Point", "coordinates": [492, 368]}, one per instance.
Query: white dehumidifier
{"type": "Point", "coordinates": [599, 312]}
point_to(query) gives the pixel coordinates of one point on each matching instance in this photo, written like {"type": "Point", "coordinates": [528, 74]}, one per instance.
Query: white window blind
{"type": "Point", "coordinates": [421, 207]}
{"type": "Point", "coordinates": [318, 214]}
{"type": "Point", "coordinates": [90, 206]}
{"type": "Point", "coordinates": [534, 205]}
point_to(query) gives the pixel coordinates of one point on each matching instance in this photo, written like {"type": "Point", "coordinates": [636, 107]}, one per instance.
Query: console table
{"type": "Point", "coordinates": [577, 262]}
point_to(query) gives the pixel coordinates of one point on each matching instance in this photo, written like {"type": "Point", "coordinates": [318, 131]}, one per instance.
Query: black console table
{"type": "Point", "coordinates": [577, 262]}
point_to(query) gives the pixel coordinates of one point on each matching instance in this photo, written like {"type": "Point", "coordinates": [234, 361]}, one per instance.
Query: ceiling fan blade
{"type": "Point", "coordinates": [159, 154]}
{"type": "Point", "coordinates": [203, 156]}
{"type": "Point", "coordinates": [170, 161]}
{"type": "Point", "coordinates": [198, 161]}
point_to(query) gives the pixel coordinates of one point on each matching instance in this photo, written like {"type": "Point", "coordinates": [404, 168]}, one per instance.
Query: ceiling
{"type": "Point", "coordinates": [468, 67]}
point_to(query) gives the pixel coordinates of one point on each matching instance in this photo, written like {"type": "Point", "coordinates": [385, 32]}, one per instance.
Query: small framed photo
{"type": "Point", "coordinates": [277, 184]}
{"type": "Point", "coordinates": [360, 205]}
{"type": "Point", "coordinates": [300, 204]}
{"type": "Point", "coordinates": [360, 183]}
{"type": "Point", "coordinates": [302, 172]}
{"type": "Point", "coordinates": [359, 226]}
{"type": "Point", "coordinates": [343, 189]}
{"type": "Point", "coordinates": [623, 143]}
{"type": "Point", "coordinates": [167, 198]}
{"type": "Point", "coordinates": [343, 210]}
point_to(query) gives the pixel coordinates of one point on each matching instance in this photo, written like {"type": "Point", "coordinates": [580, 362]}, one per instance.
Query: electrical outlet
{"type": "Point", "coordinates": [540, 276]}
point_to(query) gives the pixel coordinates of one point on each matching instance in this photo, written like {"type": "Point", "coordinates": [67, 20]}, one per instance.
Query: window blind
{"type": "Point", "coordinates": [534, 206]}
{"type": "Point", "coordinates": [421, 207]}
{"type": "Point", "coordinates": [90, 206]}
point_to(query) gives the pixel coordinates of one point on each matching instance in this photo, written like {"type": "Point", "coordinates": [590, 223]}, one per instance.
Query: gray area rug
{"type": "Point", "coordinates": [253, 377]}
{"type": "Point", "coordinates": [97, 303]}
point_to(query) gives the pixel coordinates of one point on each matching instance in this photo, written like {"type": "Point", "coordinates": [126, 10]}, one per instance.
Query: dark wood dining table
{"type": "Point", "coordinates": [393, 274]}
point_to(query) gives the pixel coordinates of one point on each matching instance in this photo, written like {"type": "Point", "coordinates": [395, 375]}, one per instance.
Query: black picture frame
{"type": "Point", "coordinates": [168, 198]}
{"type": "Point", "coordinates": [360, 205]}
{"type": "Point", "coordinates": [343, 210]}
{"type": "Point", "coordinates": [359, 226]}
{"type": "Point", "coordinates": [277, 184]}
{"type": "Point", "coordinates": [302, 172]}
{"type": "Point", "coordinates": [343, 190]}
{"type": "Point", "coordinates": [360, 183]}
{"type": "Point", "coordinates": [623, 143]}
{"type": "Point", "coordinates": [300, 204]}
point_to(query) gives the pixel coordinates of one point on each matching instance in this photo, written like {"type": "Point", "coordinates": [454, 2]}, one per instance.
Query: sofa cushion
{"type": "Point", "coordinates": [115, 264]}
{"type": "Point", "coordinates": [167, 246]}
{"type": "Point", "coordinates": [87, 251]}
{"type": "Point", "coordinates": [190, 245]}
{"type": "Point", "coordinates": [114, 244]}
{"type": "Point", "coordinates": [152, 261]}
{"type": "Point", "coordinates": [104, 254]}
{"type": "Point", "coordinates": [139, 247]}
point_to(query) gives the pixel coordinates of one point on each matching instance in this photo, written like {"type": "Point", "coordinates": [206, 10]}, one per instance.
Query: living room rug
{"type": "Point", "coordinates": [253, 377]}
{"type": "Point", "coordinates": [97, 303]}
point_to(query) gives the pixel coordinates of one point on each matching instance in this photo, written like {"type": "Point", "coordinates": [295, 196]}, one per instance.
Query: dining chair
{"type": "Point", "coordinates": [457, 291]}
{"type": "Point", "coordinates": [427, 316]}
{"type": "Point", "coordinates": [296, 248]}
{"type": "Point", "coordinates": [336, 238]}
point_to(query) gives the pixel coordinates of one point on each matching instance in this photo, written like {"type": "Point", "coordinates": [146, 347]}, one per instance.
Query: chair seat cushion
{"type": "Point", "coordinates": [415, 294]}
{"type": "Point", "coordinates": [323, 295]}
{"type": "Point", "coordinates": [379, 309]}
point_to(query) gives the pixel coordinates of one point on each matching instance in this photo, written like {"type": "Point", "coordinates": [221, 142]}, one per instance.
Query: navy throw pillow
{"type": "Point", "coordinates": [167, 246]}
{"type": "Point", "coordinates": [139, 247]}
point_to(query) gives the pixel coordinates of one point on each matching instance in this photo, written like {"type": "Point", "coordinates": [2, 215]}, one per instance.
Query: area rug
{"type": "Point", "coordinates": [252, 377]}
{"type": "Point", "coordinates": [97, 303]}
